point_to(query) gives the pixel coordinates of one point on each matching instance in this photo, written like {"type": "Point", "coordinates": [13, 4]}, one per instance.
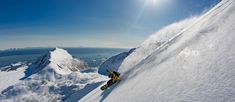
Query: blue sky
{"type": "Point", "coordinates": [89, 23]}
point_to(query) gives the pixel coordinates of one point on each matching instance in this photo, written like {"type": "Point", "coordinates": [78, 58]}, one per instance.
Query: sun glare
{"type": "Point", "coordinates": [153, 2]}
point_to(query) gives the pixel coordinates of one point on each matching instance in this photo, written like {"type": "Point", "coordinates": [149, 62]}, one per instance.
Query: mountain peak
{"type": "Point", "coordinates": [58, 60]}
{"type": "Point", "coordinates": [59, 55]}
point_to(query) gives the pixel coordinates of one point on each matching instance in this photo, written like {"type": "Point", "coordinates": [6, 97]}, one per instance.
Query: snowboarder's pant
{"type": "Point", "coordinates": [111, 82]}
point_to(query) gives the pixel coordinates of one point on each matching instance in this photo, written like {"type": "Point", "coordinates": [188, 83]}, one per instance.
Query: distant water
{"type": "Point", "coordinates": [92, 56]}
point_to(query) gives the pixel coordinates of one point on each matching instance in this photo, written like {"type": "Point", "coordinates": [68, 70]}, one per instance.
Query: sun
{"type": "Point", "coordinates": [153, 2]}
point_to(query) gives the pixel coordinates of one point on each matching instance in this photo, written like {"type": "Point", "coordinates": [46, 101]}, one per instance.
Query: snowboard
{"type": "Point", "coordinates": [106, 86]}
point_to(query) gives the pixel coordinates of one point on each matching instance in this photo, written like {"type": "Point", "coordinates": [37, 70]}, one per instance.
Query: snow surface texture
{"type": "Point", "coordinates": [56, 76]}
{"type": "Point", "coordinates": [10, 77]}
{"type": "Point", "coordinates": [194, 65]}
{"type": "Point", "coordinates": [114, 62]}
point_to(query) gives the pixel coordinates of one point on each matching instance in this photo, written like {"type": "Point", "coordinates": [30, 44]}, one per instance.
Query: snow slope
{"type": "Point", "coordinates": [154, 41]}
{"type": "Point", "coordinates": [8, 78]}
{"type": "Point", "coordinates": [56, 76]}
{"type": "Point", "coordinates": [194, 65]}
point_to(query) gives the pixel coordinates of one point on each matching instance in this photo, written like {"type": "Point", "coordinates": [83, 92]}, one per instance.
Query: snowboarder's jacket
{"type": "Point", "coordinates": [114, 75]}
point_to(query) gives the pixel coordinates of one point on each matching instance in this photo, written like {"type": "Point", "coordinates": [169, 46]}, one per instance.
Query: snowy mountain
{"type": "Point", "coordinates": [114, 62]}
{"type": "Point", "coordinates": [56, 76]}
{"type": "Point", "coordinates": [59, 60]}
{"type": "Point", "coordinates": [193, 63]}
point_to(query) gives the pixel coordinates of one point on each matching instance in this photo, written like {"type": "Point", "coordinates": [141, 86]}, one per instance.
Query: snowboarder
{"type": "Point", "coordinates": [115, 76]}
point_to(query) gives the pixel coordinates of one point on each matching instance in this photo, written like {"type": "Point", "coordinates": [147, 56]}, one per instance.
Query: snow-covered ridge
{"type": "Point", "coordinates": [14, 66]}
{"type": "Point", "coordinates": [114, 62]}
